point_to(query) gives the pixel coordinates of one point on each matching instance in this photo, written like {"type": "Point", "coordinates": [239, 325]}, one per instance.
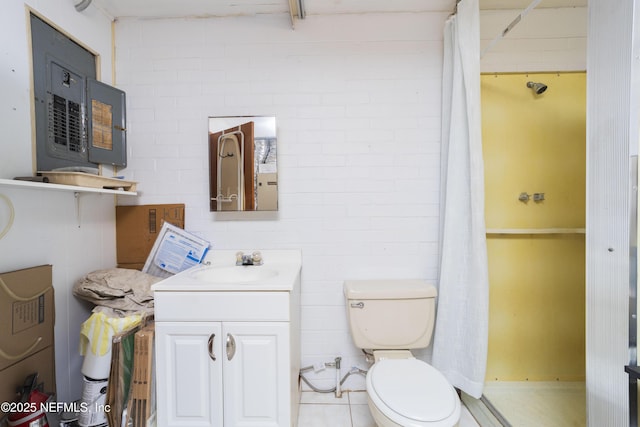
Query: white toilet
{"type": "Point", "coordinates": [389, 318]}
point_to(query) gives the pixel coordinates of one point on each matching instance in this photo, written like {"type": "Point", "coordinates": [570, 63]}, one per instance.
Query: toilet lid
{"type": "Point", "coordinates": [413, 389]}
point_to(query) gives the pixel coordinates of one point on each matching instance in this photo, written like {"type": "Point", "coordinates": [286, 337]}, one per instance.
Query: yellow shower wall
{"type": "Point", "coordinates": [535, 144]}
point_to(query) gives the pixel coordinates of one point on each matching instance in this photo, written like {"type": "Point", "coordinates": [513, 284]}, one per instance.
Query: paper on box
{"type": "Point", "coordinates": [174, 250]}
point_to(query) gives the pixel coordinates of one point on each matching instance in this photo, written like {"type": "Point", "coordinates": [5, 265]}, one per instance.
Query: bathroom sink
{"type": "Point", "coordinates": [234, 274]}
{"type": "Point", "coordinates": [219, 272]}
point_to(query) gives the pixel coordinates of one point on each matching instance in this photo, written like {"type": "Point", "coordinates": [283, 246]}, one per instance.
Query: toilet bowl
{"type": "Point", "coordinates": [411, 393]}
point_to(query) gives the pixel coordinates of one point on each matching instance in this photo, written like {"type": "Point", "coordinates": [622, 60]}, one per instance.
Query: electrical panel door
{"type": "Point", "coordinates": [106, 124]}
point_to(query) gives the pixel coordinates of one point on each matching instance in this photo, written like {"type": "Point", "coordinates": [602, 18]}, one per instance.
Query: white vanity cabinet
{"type": "Point", "coordinates": [188, 382]}
{"type": "Point", "coordinates": [227, 354]}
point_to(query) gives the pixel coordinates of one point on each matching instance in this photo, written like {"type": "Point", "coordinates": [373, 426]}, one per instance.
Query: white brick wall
{"type": "Point", "coordinates": [357, 101]}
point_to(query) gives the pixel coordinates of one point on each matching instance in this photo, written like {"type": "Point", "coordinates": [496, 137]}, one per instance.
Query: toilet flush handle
{"type": "Point", "coordinates": [357, 304]}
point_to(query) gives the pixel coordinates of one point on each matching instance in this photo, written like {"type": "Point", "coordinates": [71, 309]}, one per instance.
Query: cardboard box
{"type": "Point", "coordinates": [26, 314]}
{"type": "Point", "coordinates": [137, 228]}
{"type": "Point", "coordinates": [12, 378]}
{"type": "Point", "coordinates": [142, 401]}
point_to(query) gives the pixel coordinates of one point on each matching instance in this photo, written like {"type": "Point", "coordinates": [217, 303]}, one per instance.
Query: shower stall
{"type": "Point", "coordinates": [534, 147]}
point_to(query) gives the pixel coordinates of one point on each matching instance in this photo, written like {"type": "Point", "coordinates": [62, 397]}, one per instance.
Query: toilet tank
{"type": "Point", "coordinates": [390, 314]}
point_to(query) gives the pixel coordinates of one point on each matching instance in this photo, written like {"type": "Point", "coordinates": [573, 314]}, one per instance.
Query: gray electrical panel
{"type": "Point", "coordinates": [80, 122]}
{"type": "Point", "coordinates": [66, 136]}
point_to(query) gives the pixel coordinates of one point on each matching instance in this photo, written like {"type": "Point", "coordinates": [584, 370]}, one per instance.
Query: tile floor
{"type": "Point", "coordinates": [325, 410]}
{"type": "Point", "coordinates": [539, 403]}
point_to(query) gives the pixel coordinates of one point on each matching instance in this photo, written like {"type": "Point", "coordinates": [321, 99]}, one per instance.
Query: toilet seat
{"type": "Point", "coordinates": [412, 393]}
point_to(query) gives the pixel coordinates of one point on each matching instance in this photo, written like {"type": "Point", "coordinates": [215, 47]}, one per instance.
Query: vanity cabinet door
{"type": "Point", "coordinates": [257, 374]}
{"type": "Point", "coordinates": [189, 380]}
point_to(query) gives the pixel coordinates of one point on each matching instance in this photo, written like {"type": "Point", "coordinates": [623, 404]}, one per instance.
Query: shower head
{"type": "Point", "coordinates": [538, 88]}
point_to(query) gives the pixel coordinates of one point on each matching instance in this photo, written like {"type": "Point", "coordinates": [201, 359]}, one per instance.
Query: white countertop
{"type": "Point", "coordinates": [282, 266]}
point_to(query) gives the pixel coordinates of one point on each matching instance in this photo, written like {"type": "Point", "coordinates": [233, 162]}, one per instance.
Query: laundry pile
{"type": "Point", "coordinates": [121, 289]}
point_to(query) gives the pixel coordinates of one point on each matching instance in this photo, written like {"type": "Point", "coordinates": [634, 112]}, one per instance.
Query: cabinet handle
{"type": "Point", "coordinates": [210, 346]}
{"type": "Point", "coordinates": [231, 346]}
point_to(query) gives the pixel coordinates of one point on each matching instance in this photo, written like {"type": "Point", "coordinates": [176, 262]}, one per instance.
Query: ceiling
{"type": "Point", "coordinates": [522, 4]}
{"type": "Point", "coordinates": [191, 8]}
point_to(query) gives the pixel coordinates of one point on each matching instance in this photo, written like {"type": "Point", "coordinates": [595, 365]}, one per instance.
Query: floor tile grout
{"type": "Point", "coordinates": [317, 410]}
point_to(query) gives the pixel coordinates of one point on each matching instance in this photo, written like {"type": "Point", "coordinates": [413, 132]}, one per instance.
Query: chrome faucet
{"type": "Point", "coordinates": [244, 259]}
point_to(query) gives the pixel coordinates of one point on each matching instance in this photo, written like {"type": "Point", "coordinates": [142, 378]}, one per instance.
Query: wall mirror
{"type": "Point", "coordinates": [243, 174]}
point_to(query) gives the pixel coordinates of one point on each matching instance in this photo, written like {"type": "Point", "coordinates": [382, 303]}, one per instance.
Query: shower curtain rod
{"type": "Point", "coordinates": [509, 27]}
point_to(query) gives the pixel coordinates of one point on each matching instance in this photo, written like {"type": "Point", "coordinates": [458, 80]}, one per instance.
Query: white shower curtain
{"type": "Point", "coordinates": [460, 340]}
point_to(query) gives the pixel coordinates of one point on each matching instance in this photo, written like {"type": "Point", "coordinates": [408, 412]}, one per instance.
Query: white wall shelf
{"type": "Point", "coordinates": [61, 187]}
{"type": "Point", "coordinates": [535, 231]}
